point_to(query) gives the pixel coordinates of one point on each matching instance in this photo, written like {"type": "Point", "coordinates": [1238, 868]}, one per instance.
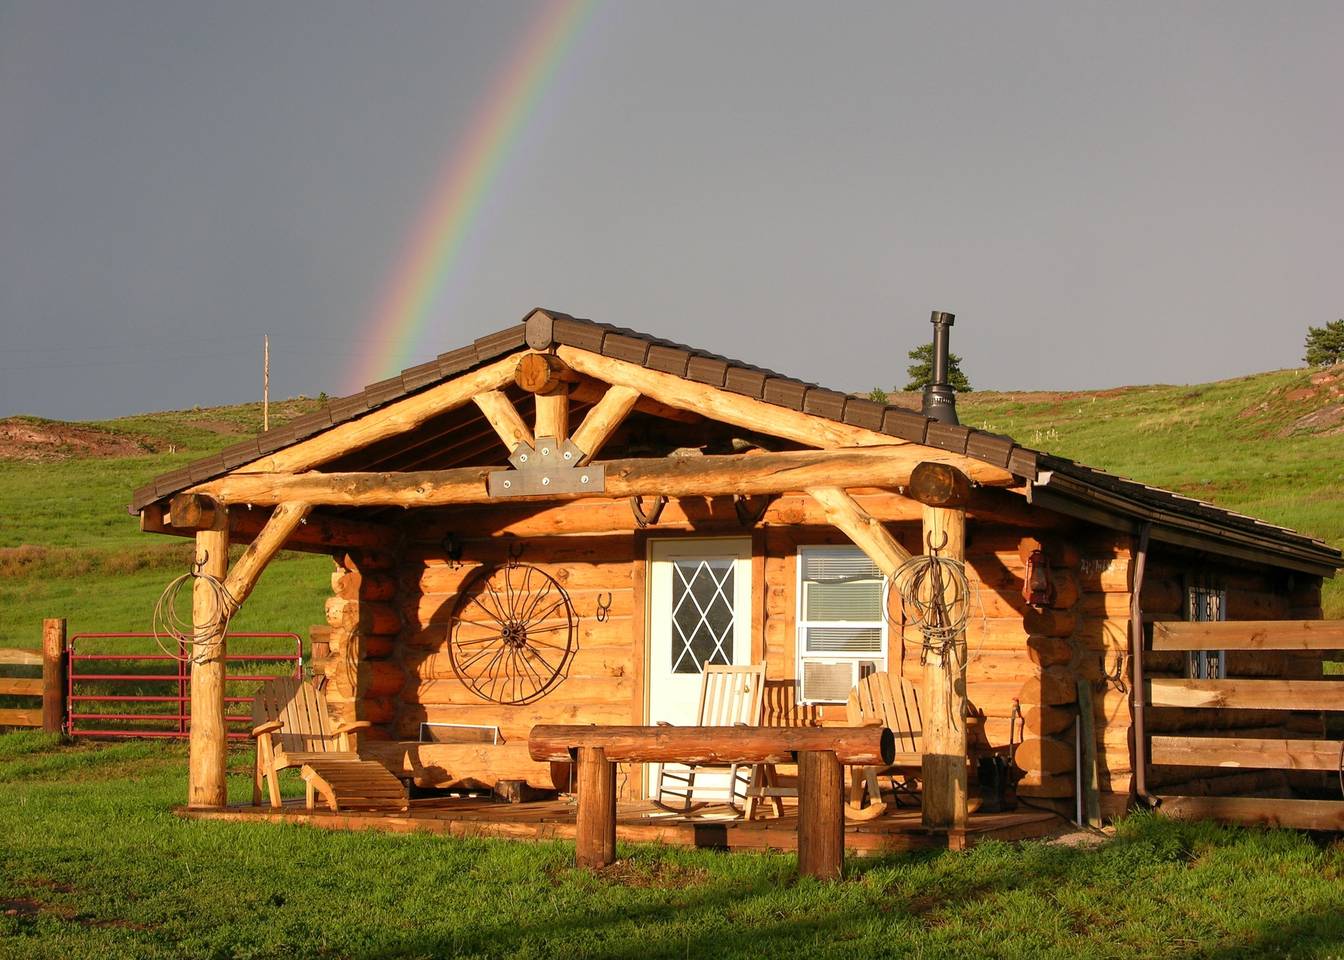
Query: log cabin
{"type": "Point", "coordinates": [565, 521]}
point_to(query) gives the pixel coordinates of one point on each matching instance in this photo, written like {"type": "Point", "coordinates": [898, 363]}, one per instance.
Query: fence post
{"type": "Point", "coordinates": [53, 674]}
{"type": "Point", "coordinates": [821, 815]}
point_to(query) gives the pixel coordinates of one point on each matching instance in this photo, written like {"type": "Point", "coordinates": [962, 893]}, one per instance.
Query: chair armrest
{"type": "Point", "coordinates": [663, 723]}
{"type": "Point", "coordinates": [269, 726]}
{"type": "Point", "coordinates": [350, 726]}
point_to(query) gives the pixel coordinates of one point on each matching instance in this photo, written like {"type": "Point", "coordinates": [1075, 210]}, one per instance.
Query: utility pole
{"type": "Point", "coordinates": [266, 382]}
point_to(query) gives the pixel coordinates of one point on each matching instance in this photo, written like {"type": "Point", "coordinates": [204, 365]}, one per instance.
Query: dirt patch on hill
{"type": "Point", "coordinates": [46, 441]}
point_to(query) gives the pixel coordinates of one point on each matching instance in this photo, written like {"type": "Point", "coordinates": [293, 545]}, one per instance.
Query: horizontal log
{"type": "Point", "coordinates": [939, 485]}
{"type": "Point", "coordinates": [366, 617]}
{"type": "Point", "coordinates": [1258, 811]}
{"type": "Point", "coordinates": [21, 687]}
{"type": "Point", "coordinates": [360, 585]}
{"type": "Point", "coordinates": [657, 744]}
{"type": "Point", "coordinates": [1045, 754]}
{"type": "Point", "coordinates": [319, 534]}
{"type": "Point", "coordinates": [1256, 605]}
{"type": "Point", "coordinates": [1103, 573]}
{"type": "Point", "coordinates": [21, 658]}
{"type": "Point", "coordinates": [1044, 721]}
{"type": "Point", "coordinates": [1249, 694]}
{"type": "Point", "coordinates": [740, 474]}
{"type": "Point", "coordinates": [1050, 623]}
{"type": "Point", "coordinates": [1250, 635]}
{"type": "Point", "coordinates": [1052, 786]}
{"type": "Point", "coordinates": [1051, 687]}
{"type": "Point", "coordinates": [20, 718]}
{"type": "Point", "coordinates": [371, 679]}
{"type": "Point", "coordinates": [1267, 754]}
{"type": "Point", "coordinates": [571, 576]}
{"type": "Point", "coordinates": [1049, 651]}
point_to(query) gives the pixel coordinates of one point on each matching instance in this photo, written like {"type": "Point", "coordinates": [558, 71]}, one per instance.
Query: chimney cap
{"type": "Point", "coordinates": [940, 316]}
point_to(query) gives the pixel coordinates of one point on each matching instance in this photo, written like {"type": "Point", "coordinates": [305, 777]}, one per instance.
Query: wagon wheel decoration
{"type": "Point", "coordinates": [512, 633]}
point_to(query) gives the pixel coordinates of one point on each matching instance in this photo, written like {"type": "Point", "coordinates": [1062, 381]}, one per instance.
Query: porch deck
{"type": "Point", "coordinates": [641, 822]}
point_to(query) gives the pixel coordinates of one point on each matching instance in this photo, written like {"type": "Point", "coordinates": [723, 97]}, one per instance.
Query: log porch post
{"type": "Point", "coordinates": [944, 491]}
{"type": "Point", "coordinates": [208, 743]}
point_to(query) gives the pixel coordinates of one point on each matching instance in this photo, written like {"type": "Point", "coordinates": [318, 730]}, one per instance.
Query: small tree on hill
{"type": "Point", "coordinates": [877, 395]}
{"type": "Point", "coordinates": [921, 371]}
{"type": "Point", "coordinates": [1325, 345]}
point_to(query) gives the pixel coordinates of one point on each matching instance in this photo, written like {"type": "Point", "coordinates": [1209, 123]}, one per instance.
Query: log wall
{"type": "Point", "coordinates": [389, 620]}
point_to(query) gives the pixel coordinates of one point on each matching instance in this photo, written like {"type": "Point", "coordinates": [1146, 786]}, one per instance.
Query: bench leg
{"type": "Point", "coordinates": [595, 829]}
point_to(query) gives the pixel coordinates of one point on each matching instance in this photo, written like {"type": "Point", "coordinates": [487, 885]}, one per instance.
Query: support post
{"type": "Point", "coordinates": [944, 696]}
{"type": "Point", "coordinates": [821, 815]}
{"type": "Point", "coordinates": [53, 675]}
{"type": "Point", "coordinates": [595, 827]}
{"type": "Point", "coordinates": [208, 743]}
{"type": "Point", "coordinates": [553, 415]}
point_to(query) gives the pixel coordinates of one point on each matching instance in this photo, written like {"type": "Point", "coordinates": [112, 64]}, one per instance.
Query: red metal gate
{"type": "Point", "coordinates": [149, 694]}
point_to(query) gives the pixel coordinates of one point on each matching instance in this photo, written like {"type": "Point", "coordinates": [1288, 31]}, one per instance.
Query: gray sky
{"type": "Point", "coordinates": [1103, 194]}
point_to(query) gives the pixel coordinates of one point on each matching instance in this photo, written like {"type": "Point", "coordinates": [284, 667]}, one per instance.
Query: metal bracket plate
{"type": "Point", "coordinates": [546, 469]}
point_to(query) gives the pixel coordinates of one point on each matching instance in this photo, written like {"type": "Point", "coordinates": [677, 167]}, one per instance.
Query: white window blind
{"type": "Point", "coordinates": [842, 632]}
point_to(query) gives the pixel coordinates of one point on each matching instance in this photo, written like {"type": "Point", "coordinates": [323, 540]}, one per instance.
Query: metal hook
{"type": "Point", "coordinates": [929, 540]}
{"type": "Point", "coordinates": [603, 607]}
{"type": "Point", "coordinates": [515, 553]}
{"type": "Point", "coordinates": [199, 565]}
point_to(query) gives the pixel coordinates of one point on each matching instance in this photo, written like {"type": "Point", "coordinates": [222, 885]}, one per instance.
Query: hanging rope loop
{"type": "Point", "coordinates": [936, 597]}
{"type": "Point", "coordinates": [200, 639]}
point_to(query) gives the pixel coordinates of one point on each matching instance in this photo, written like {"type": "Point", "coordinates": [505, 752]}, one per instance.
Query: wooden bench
{"type": "Point", "coordinates": [821, 755]}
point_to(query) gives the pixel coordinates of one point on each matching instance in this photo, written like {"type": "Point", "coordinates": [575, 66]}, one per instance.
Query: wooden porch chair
{"type": "Point", "coordinates": [293, 728]}
{"type": "Point", "coordinates": [893, 702]}
{"type": "Point", "coordinates": [730, 696]}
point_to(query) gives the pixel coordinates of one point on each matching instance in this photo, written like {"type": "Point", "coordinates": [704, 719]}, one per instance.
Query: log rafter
{"type": "Point", "coordinates": [504, 418]}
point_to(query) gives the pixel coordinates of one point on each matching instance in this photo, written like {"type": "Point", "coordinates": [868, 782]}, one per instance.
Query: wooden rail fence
{"type": "Point", "coordinates": [819, 753]}
{"type": "Point", "coordinates": [1246, 694]}
{"type": "Point", "coordinates": [48, 688]}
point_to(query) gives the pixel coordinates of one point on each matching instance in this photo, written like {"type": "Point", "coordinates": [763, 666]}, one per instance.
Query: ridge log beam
{"type": "Point", "coordinates": [745, 474]}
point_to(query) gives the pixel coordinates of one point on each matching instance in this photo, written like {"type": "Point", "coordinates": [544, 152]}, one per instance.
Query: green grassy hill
{"type": "Point", "coordinates": [1271, 445]}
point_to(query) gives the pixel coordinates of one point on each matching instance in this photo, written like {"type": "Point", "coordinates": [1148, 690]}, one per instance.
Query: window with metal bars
{"type": "Point", "coordinates": [842, 629]}
{"type": "Point", "coordinates": [1205, 604]}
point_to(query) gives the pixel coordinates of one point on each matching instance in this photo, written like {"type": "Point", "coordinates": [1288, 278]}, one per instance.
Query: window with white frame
{"type": "Point", "coordinates": [842, 628]}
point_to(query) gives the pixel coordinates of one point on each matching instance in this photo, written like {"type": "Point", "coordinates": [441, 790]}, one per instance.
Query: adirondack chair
{"type": "Point", "coordinates": [730, 696]}
{"type": "Point", "coordinates": [293, 728]}
{"type": "Point", "coordinates": [892, 702]}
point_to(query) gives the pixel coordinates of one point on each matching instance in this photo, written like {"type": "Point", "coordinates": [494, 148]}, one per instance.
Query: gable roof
{"type": "Point", "coordinates": [1053, 482]}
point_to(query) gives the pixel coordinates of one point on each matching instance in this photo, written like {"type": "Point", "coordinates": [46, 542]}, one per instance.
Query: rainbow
{"type": "Point", "coordinates": [436, 243]}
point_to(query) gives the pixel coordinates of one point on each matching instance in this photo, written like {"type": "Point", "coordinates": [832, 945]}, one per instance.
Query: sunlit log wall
{"type": "Point", "coordinates": [390, 618]}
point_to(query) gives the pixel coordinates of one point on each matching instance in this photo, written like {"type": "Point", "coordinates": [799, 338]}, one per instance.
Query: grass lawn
{"type": "Point", "coordinates": [95, 865]}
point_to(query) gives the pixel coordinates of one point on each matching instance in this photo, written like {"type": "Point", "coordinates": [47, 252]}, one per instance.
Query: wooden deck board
{"type": "Point", "coordinates": [643, 823]}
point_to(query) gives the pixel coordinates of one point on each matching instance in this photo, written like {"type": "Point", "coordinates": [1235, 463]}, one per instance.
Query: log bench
{"type": "Point", "coordinates": [821, 755]}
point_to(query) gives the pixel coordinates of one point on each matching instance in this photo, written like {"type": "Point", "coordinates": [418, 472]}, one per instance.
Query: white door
{"type": "Point", "coordinates": [699, 613]}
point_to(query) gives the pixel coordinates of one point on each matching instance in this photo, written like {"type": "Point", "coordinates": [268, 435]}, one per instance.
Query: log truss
{"type": "Point", "coordinates": [838, 459]}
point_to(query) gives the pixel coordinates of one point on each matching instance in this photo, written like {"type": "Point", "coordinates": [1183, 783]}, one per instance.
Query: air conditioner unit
{"type": "Point", "coordinates": [827, 681]}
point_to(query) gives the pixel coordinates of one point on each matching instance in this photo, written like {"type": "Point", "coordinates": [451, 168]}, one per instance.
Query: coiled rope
{"type": "Point", "coordinates": [199, 639]}
{"type": "Point", "coordinates": [937, 597]}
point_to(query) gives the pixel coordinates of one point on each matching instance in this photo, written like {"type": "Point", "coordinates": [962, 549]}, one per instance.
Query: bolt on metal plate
{"type": "Point", "coordinates": [547, 469]}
